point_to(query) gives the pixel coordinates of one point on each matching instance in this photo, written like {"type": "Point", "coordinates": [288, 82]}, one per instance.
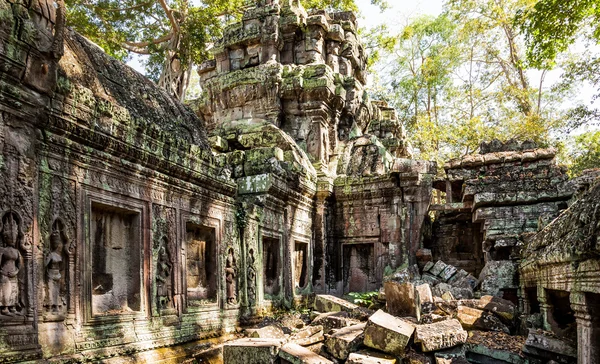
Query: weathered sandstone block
{"type": "Point", "coordinates": [387, 333]}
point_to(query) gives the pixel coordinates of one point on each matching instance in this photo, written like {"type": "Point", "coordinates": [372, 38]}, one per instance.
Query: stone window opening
{"type": "Point", "coordinates": [271, 265]}
{"type": "Point", "coordinates": [116, 260]}
{"type": "Point", "coordinates": [201, 264]}
{"type": "Point", "coordinates": [534, 303]}
{"type": "Point", "coordinates": [562, 317]}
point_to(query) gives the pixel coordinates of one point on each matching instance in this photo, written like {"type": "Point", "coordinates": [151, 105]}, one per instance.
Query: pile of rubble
{"type": "Point", "coordinates": [430, 316]}
{"type": "Point", "coordinates": [448, 331]}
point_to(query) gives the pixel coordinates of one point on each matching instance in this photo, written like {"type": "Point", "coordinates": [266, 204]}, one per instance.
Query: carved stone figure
{"type": "Point", "coordinates": [251, 278]}
{"type": "Point", "coordinates": [11, 261]}
{"type": "Point", "coordinates": [230, 276]}
{"type": "Point", "coordinates": [54, 266]}
{"type": "Point", "coordinates": [164, 269]}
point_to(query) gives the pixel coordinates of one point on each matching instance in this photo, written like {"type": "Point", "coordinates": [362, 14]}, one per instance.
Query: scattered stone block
{"type": "Point", "coordinates": [296, 354]}
{"type": "Point", "coordinates": [412, 357]}
{"type": "Point", "coordinates": [345, 340]}
{"type": "Point", "coordinates": [440, 335]}
{"type": "Point", "coordinates": [311, 340]}
{"type": "Point", "coordinates": [423, 256]}
{"type": "Point", "coordinates": [462, 360]}
{"type": "Point", "coordinates": [438, 268]}
{"type": "Point", "coordinates": [458, 276]}
{"type": "Point", "coordinates": [400, 298]}
{"type": "Point", "coordinates": [334, 320]}
{"type": "Point", "coordinates": [370, 357]}
{"type": "Point", "coordinates": [328, 303]}
{"type": "Point", "coordinates": [267, 332]}
{"type": "Point", "coordinates": [428, 266]}
{"type": "Point", "coordinates": [447, 296]}
{"type": "Point", "coordinates": [430, 279]}
{"type": "Point", "coordinates": [387, 333]}
{"type": "Point", "coordinates": [497, 275]}
{"type": "Point", "coordinates": [423, 300]}
{"type": "Point", "coordinates": [501, 307]}
{"type": "Point", "coordinates": [307, 332]}
{"type": "Point", "coordinates": [252, 351]}
{"type": "Point", "coordinates": [448, 272]}
{"type": "Point", "coordinates": [475, 319]}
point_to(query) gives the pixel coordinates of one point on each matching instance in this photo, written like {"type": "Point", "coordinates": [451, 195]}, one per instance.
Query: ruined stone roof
{"type": "Point", "coordinates": [120, 93]}
{"type": "Point", "coordinates": [573, 236]}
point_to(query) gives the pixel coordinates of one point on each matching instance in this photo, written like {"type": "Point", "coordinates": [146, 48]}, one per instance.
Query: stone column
{"type": "Point", "coordinates": [588, 327]}
{"type": "Point", "coordinates": [545, 308]}
{"type": "Point", "coordinates": [325, 189]}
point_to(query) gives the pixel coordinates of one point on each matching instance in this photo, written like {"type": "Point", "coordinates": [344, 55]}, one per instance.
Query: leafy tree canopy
{"type": "Point", "coordinates": [551, 26]}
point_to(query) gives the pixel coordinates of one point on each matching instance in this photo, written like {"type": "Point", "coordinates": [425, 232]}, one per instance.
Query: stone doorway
{"type": "Point", "coordinates": [359, 267]}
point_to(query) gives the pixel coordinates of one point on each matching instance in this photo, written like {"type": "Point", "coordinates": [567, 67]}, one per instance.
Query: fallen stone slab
{"type": "Point", "coordinates": [412, 357]}
{"type": "Point", "coordinates": [252, 351]}
{"type": "Point", "coordinates": [458, 276]}
{"type": "Point", "coordinates": [448, 272]}
{"type": "Point", "coordinates": [451, 361]}
{"type": "Point", "coordinates": [495, 347]}
{"type": "Point", "coordinates": [345, 340]}
{"type": "Point", "coordinates": [311, 340]}
{"type": "Point", "coordinates": [503, 308]}
{"type": "Point", "coordinates": [547, 346]}
{"type": "Point", "coordinates": [328, 303]}
{"type": "Point", "coordinates": [400, 298]}
{"type": "Point", "coordinates": [423, 300]}
{"type": "Point", "coordinates": [387, 333]}
{"type": "Point", "coordinates": [370, 357]}
{"type": "Point", "coordinates": [475, 319]}
{"type": "Point", "coordinates": [267, 332]}
{"type": "Point", "coordinates": [428, 266]}
{"type": "Point", "coordinates": [423, 257]}
{"type": "Point", "coordinates": [438, 268]}
{"type": "Point", "coordinates": [308, 331]}
{"type": "Point", "coordinates": [440, 335]}
{"type": "Point", "coordinates": [431, 279]}
{"type": "Point", "coordinates": [334, 320]}
{"type": "Point", "coordinates": [296, 354]}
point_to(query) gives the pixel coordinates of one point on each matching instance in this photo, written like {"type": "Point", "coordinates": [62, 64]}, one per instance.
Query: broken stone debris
{"type": "Point", "coordinates": [343, 341]}
{"type": "Point", "coordinates": [296, 354]}
{"type": "Point", "coordinates": [387, 333]}
{"type": "Point", "coordinates": [370, 357]}
{"type": "Point", "coordinates": [252, 351]}
{"type": "Point", "coordinates": [474, 319]}
{"type": "Point", "coordinates": [440, 335]}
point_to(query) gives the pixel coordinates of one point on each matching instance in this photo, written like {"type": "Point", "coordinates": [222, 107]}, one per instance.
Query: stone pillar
{"type": "Point", "coordinates": [588, 327]}
{"type": "Point", "coordinates": [545, 308]}
{"type": "Point", "coordinates": [325, 189]}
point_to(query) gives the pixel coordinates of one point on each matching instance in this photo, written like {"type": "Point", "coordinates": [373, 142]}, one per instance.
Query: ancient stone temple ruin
{"type": "Point", "coordinates": [134, 228]}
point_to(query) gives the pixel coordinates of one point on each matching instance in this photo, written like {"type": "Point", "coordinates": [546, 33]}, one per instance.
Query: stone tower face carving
{"type": "Point", "coordinates": [164, 276]}
{"type": "Point", "coordinates": [11, 262]}
{"type": "Point", "coordinates": [55, 264]}
{"type": "Point", "coordinates": [230, 278]}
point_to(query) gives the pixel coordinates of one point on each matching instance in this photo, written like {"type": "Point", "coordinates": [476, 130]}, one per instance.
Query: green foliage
{"type": "Point", "coordinates": [552, 25]}
{"type": "Point", "coordinates": [586, 153]}
{"type": "Point", "coordinates": [365, 299]}
{"type": "Point", "coordinates": [462, 78]}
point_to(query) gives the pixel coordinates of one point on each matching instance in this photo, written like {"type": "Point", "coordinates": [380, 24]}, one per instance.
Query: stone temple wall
{"type": "Point", "coordinates": [493, 201]}
{"type": "Point", "coordinates": [118, 231]}
{"type": "Point", "coordinates": [130, 224]}
{"type": "Point", "coordinates": [285, 96]}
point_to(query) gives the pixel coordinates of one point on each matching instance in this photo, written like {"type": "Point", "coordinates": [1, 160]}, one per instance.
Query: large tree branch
{"type": "Point", "coordinates": [162, 39]}
{"type": "Point", "coordinates": [138, 50]}
{"type": "Point", "coordinates": [169, 13]}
